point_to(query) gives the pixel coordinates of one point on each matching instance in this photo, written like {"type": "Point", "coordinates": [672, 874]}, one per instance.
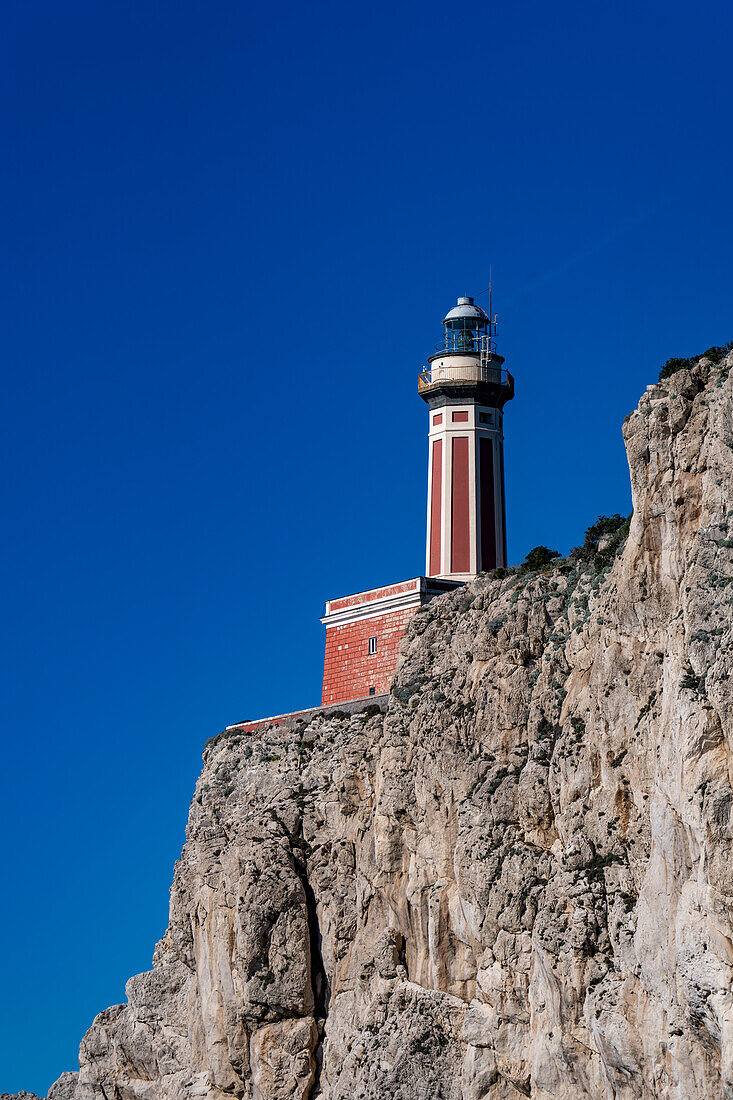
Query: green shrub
{"type": "Point", "coordinates": [615, 528]}
{"type": "Point", "coordinates": [495, 625]}
{"type": "Point", "coordinates": [538, 558]}
{"type": "Point", "coordinates": [692, 682]}
{"type": "Point", "coordinates": [578, 727]}
{"type": "Point", "coordinates": [372, 710]}
{"type": "Point", "coordinates": [673, 365]}
{"type": "Point", "coordinates": [406, 691]}
{"type": "Point", "coordinates": [604, 525]}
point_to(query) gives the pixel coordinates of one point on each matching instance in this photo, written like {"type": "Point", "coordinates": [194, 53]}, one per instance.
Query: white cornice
{"type": "Point", "coordinates": [357, 612]}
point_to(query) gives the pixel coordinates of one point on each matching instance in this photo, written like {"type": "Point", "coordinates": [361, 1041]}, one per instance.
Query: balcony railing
{"type": "Point", "coordinates": [456, 374]}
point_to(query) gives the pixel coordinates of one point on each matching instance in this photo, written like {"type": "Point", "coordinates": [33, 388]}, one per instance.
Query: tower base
{"type": "Point", "coordinates": [363, 635]}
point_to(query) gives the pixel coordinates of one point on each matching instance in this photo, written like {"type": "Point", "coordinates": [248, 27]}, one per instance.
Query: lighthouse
{"type": "Point", "coordinates": [466, 388]}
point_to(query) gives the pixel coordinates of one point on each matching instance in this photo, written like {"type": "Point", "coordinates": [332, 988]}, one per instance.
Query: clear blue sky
{"type": "Point", "coordinates": [230, 234]}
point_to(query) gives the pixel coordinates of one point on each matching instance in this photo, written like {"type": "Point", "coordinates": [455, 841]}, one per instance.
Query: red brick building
{"type": "Point", "coordinates": [363, 634]}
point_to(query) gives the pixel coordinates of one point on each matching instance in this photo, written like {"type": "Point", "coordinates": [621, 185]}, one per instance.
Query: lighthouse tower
{"type": "Point", "coordinates": [466, 389]}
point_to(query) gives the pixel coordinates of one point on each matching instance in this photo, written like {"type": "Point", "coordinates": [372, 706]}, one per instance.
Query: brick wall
{"type": "Point", "coordinates": [349, 671]}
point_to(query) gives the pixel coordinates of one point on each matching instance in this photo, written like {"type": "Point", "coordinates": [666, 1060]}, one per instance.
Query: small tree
{"type": "Point", "coordinates": [538, 558]}
{"type": "Point", "coordinates": [604, 525]}
{"type": "Point", "coordinates": [614, 528]}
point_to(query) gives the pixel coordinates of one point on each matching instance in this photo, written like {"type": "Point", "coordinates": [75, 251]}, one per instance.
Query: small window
{"type": "Point", "coordinates": [372, 645]}
{"type": "Point", "coordinates": [437, 419]}
{"type": "Point", "coordinates": [372, 691]}
{"type": "Point", "coordinates": [460, 417]}
{"type": "Point", "coordinates": [484, 418]}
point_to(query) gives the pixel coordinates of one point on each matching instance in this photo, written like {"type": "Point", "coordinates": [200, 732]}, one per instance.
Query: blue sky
{"type": "Point", "coordinates": [230, 234]}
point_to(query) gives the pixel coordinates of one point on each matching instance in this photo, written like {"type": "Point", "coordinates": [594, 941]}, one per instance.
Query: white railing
{"type": "Point", "coordinates": [459, 372]}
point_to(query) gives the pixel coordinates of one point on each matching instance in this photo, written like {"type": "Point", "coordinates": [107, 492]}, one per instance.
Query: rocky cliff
{"type": "Point", "coordinates": [518, 881]}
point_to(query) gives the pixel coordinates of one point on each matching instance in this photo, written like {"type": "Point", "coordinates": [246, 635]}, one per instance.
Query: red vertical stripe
{"type": "Point", "coordinates": [460, 549]}
{"type": "Point", "coordinates": [488, 518]}
{"type": "Point", "coordinates": [436, 496]}
{"type": "Point", "coordinates": [502, 500]}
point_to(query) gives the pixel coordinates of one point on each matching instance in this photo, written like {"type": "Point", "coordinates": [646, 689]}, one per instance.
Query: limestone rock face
{"type": "Point", "coordinates": [64, 1088]}
{"type": "Point", "coordinates": [516, 882]}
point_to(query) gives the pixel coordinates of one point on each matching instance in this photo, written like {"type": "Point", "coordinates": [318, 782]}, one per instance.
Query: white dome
{"type": "Point", "coordinates": [465, 309]}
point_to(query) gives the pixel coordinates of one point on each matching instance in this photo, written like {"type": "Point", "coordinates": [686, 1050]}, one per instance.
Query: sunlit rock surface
{"type": "Point", "coordinates": [519, 881]}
